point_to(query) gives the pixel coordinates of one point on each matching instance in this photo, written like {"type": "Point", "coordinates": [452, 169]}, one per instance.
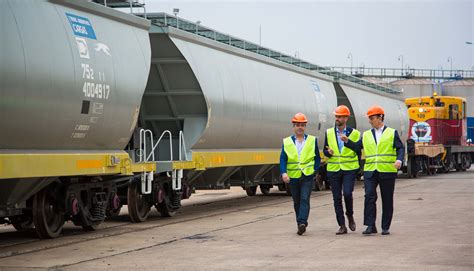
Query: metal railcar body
{"type": "Point", "coordinates": [226, 104]}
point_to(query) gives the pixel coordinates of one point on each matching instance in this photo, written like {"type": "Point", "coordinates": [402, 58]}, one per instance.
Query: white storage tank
{"type": "Point", "coordinates": [415, 87]}
{"type": "Point", "coordinates": [377, 81]}
{"type": "Point", "coordinates": [461, 88]}
{"type": "Point", "coordinates": [465, 89]}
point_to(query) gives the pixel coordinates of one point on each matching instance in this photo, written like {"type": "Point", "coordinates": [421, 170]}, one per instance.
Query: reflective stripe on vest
{"type": "Point", "coordinates": [296, 166]}
{"type": "Point", "coordinates": [380, 156]}
{"type": "Point", "coordinates": [347, 160]}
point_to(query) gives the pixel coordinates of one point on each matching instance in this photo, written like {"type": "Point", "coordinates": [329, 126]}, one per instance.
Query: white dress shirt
{"type": "Point", "coordinates": [378, 133]}
{"type": "Point", "coordinates": [300, 145]}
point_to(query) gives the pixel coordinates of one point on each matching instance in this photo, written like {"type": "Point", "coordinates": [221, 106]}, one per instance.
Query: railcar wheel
{"type": "Point", "coordinates": [432, 163]}
{"type": "Point", "coordinates": [426, 167]}
{"type": "Point", "coordinates": [48, 215]}
{"type": "Point", "coordinates": [412, 168]}
{"type": "Point", "coordinates": [166, 205]}
{"type": "Point", "coordinates": [165, 210]}
{"type": "Point", "coordinates": [457, 165]}
{"type": "Point", "coordinates": [114, 212]}
{"type": "Point", "coordinates": [138, 206]}
{"type": "Point", "coordinates": [251, 191]}
{"type": "Point", "coordinates": [450, 163]}
{"type": "Point", "coordinates": [464, 162]}
{"type": "Point", "coordinates": [265, 189]}
{"type": "Point", "coordinates": [444, 167]}
{"type": "Point", "coordinates": [115, 206]}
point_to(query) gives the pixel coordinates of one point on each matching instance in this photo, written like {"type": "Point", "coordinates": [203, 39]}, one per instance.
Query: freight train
{"type": "Point", "coordinates": [102, 109]}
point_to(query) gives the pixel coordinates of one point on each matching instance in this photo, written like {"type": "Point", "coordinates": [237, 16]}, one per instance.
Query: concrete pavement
{"type": "Point", "coordinates": [431, 230]}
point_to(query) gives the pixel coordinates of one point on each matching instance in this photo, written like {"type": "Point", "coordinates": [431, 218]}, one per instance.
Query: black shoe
{"type": "Point", "coordinates": [370, 230]}
{"type": "Point", "coordinates": [301, 229]}
{"type": "Point", "coordinates": [352, 224]}
{"type": "Point", "coordinates": [385, 232]}
{"type": "Point", "coordinates": [342, 230]}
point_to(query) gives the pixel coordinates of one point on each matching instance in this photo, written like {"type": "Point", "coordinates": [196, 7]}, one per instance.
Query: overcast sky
{"type": "Point", "coordinates": [376, 33]}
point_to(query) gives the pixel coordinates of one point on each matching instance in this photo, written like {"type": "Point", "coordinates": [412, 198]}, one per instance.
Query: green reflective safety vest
{"type": "Point", "coordinates": [304, 164]}
{"type": "Point", "coordinates": [345, 160]}
{"type": "Point", "coordinates": [380, 156]}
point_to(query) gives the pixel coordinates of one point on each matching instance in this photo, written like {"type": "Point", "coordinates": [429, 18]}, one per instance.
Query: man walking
{"type": "Point", "coordinates": [384, 153]}
{"type": "Point", "coordinates": [299, 162]}
{"type": "Point", "coordinates": [342, 165]}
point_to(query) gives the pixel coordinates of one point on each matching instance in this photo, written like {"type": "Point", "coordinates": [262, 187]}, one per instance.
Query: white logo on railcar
{"type": "Point", "coordinates": [315, 86]}
{"type": "Point", "coordinates": [82, 48]}
{"type": "Point", "coordinates": [101, 47]}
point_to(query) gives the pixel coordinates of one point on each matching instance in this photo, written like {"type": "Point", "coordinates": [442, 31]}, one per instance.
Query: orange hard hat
{"type": "Point", "coordinates": [342, 110]}
{"type": "Point", "coordinates": [375, 110]}
{"type": "Point", "coordinates": [299, 118]}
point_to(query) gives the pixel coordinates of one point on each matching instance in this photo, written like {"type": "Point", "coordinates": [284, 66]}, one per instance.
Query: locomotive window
{"type": "Point", "coordinates": [439, 103]}
{"type": "Point", "coordinates": [453, 111]}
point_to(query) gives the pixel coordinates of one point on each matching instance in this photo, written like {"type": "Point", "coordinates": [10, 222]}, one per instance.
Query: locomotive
{"type": "Point", "coordinates": [438, 135]}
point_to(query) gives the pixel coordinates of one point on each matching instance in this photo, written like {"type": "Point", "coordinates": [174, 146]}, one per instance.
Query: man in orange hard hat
{"type": "Point", "coordinates": [384, 153]}
{"type": "Point", "coordinates": [299, 162]}
{"type": "Point", "coordinates": [342, 166]}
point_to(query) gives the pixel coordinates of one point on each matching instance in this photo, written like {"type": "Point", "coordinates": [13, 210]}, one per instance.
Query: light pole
{"type": "Point", "coordinates": [400, 58]}
{"type": "Point", "coordinates": [260, 35]}
{"type": "Point", "coordinates": [349, 56]}
{"type": "Point", "coordinates": [175, 12]}
{"type": "Point", "coordinates": [450, 60]}
{"type": "Point", "coordinates": [197, 26]}
{"type": "Point", "coordinates": [470, 43]}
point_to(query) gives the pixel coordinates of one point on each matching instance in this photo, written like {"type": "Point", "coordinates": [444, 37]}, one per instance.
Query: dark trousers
{"type": "Point", "coordinates": [301, 192]}
{"type": "Point", "coordinates": [387, 187]}
{"type": "Point", "coordinates": [342, 183]}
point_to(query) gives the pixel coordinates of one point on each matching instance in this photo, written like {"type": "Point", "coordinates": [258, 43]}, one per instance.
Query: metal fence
{"type": "Point", "coordinates": [398, 73]}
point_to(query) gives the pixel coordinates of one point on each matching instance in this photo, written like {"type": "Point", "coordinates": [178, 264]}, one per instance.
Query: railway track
{"type": "Point", "coordinates": [14, 243]}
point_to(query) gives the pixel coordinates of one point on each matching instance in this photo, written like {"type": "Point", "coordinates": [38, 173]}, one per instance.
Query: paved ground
{"type": "Point", "coordinates": [431, 230]}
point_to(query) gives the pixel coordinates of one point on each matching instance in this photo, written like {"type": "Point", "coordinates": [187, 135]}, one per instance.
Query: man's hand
{"type": "Point", "coordinates": [398, 164]}
{"type": "Point", "coordinates": [344, 138]}
{"type": "Point", "coordinates": [285, 178]}
{"type": "Point", "coordinates": [330, 151]}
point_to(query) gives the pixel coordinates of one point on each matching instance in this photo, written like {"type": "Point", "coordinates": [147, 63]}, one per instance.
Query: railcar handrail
{"type": "Point", "coordinates": [148, 146]}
